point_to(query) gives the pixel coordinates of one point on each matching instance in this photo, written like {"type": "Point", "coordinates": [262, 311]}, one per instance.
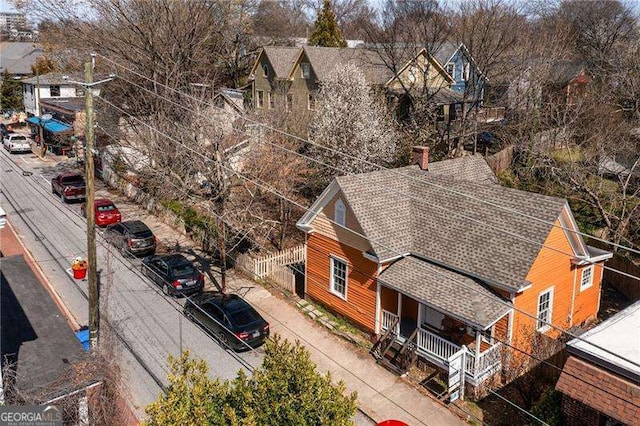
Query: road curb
{"type": "Point", "coordinates": [73, 323]}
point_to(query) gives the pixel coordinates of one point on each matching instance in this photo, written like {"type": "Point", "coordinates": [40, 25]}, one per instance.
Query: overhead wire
{"type": "Point", "coordinates": [276, 192]}
{"type": "Point", "coordinates": [370, 163]}
{"type": "Point", "coordinates": [408, 195]}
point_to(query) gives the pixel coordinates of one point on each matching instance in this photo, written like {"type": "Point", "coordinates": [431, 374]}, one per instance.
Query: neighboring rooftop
{"type": "Point", "coordinates": [17, 57]}
{"type": "Point", "coordinates": [70, 104]}
{"type": "Point", "coordinates": [54, 78]}
{"type": "Point", "coordinates": [281, 59]}
{"type": "Point", "coordinates": [34, 333]}
{"type": "Point", "coordinates": [619, 334]}
{"type": "Point", "coordinates": [472, 168]}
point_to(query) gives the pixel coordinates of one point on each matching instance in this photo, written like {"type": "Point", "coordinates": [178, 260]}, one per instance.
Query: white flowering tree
{"type": "Point", "coordinates": [350, 122]}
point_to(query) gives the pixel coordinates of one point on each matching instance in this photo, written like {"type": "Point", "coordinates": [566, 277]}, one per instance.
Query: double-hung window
{"type": "Point", "coordinates": [339, 277]}
{"type": "Point", "coordinates": [260, 100]}
{"type": "Point", "coordinates": [55, 91]}
{"type": "Point", "coordinates": [586, 279]}
{"type": "Point", "coordinates": [306, 70]}
{"type": "Point", "coordinates": [340, 213]}
{"type": "Point", "coordinates": [545, 310]}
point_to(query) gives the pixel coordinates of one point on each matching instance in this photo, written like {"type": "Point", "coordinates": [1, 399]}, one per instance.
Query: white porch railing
{"type": "Point", "coordinates": [488, 363]}
{"type": "Point", "coordinates": [387, 319]}
{"type": "Point", "coordinates": [439, 350]}
{"type": "Point", "coordinates": [436, 345]}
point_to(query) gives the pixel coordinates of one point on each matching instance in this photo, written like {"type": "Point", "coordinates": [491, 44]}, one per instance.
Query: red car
{"type": "Point", "coordinates": [106, 212]}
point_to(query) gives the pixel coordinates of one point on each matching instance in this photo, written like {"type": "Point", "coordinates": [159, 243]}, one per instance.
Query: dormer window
{"type": "Point", "coordinates": [306, 70]}
{"type": "Point", "coordinates": [265, 70]}
{"type": "Point", "coordinates": [340, 213]}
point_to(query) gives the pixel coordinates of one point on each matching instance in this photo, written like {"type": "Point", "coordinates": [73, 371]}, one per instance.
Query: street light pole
{"type": "Point", "coordinates": [94, 306]}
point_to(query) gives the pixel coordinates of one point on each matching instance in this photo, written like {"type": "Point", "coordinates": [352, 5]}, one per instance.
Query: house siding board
{"type": "Point", "coordinates": [586, 302]}
{"type": "Point", "coordinates": [389, 300]}
{"type": "Point", "coordinates": [553, 268]}
{"type": "Point", "coordinates": [501, 329]}
{"type": "Point", "coordinates": [360, 304]}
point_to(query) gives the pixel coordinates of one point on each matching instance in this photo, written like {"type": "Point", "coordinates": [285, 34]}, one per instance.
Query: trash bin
{"type": "Point", "coordinates": [392, 423]}
{"type": "Point", "coordinates": [83, 335]}
{"type": "Point", "coordinates": [79, 268]}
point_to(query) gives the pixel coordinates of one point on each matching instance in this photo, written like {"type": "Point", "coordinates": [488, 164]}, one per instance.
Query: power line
{"type": "Point", "coordinates": [372, 164]}
{"type": "Point", "coordinates": [457, 213]}
{"type": "Point", "coordinates": [276, 192]}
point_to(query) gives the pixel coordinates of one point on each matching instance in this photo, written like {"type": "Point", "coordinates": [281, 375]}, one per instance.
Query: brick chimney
{"type": "Point", "coordinates": [421, 157]}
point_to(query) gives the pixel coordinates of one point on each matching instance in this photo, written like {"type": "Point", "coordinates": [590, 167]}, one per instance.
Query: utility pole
{"type": "Point", "coordinates": [94, 306]}
{"type": "Point", "coordinates": [92, 268]}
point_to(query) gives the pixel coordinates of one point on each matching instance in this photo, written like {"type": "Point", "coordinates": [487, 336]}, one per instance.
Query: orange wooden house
{"type": "Point", "coordinates": [442, 250]}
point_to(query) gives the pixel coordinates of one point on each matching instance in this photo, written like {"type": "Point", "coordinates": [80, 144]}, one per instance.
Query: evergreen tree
{"type": "Point", "coordinates": [326, 32]}
{"type": "Point", "coordinates": [10, 93]}
{"type": "Point", "coordinates": [286, 390]}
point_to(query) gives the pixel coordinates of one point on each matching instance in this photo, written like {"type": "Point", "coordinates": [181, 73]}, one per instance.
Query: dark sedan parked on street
{"type": "Point", "coordinates": [233, 321]}
{"type": "Point", "coordinates": [131, 237]}
{"type": "Point", "coordinates": [174, 273]}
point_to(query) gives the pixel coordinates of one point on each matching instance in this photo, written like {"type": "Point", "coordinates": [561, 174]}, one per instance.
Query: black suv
{"type": "Point", "coordinates": [174, 273]}
{"type": "Point", "coordinates": [131, 237]}
{"type": "Point", "coordinates": [233, 321]}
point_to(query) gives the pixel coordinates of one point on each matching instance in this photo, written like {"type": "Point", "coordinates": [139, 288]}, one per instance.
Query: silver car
{"type": "Point", "coordinates": [15, 142]}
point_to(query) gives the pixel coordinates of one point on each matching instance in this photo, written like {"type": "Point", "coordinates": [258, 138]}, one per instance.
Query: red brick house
{"type": "Point", "coordinates": [599, 388]}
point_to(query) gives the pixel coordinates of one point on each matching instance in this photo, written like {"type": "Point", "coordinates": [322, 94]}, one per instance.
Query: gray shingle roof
{"type": "Point", "coordinates": [448, 291]}
{"type": "Point", "coordinates": [281, 59]}
{"type": "Point", "coordinates": [55, 78]}
{"type": "Point", "coordinates": [18, 57]}
{"type": "Point", "coordinates": [325, 59]}
{"type": "Point", "coordinates": [412, 211]}
{"type": "Point", "coordinates": [471, 167]}
{"type": "Point", "coordinates": [445, 51]}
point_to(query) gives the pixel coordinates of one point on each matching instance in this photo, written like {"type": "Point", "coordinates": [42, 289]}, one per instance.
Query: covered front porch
{"type": "Point", "coordinates": [444, 314]}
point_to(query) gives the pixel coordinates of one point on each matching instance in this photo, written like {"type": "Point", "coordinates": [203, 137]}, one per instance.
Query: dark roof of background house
{"type": "Point", "coordinates": [281, 59]}
{"type": "Point", "coordinates": [70, 104]}
{"type": "Point", "coordinates": [562, 72]}
{"type": "Point", "coordinates": [34, 331]}
{"type": "Point", "coordinates": [55, 78]}
{"type": "Point", "coordinates": [17, 57]}
{"type": "Point", "coordinates": [454, 293]}
{"type": "Point", "coordinates": [445, 51]}
{"type": "Point", "coordinates": [448, 221]}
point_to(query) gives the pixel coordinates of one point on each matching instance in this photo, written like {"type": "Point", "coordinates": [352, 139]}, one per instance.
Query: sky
{"type": "Point", "coordinates": [5, 6]}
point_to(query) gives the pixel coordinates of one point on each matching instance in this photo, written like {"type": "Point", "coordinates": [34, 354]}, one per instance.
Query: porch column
{"type": "Point", "coordinates": [378, 305]}
{"type": "Point", "coordinates": [477, 358]}
{"type": "Point", "coordinates": [399, 313]}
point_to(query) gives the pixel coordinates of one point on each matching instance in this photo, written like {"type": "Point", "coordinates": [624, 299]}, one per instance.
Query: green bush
{"type": "Point", "coordinates": [549, 408]}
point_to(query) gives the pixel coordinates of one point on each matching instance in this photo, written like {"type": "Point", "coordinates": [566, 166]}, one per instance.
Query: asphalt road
{"type": "Point", "coordinates": [149, 326]}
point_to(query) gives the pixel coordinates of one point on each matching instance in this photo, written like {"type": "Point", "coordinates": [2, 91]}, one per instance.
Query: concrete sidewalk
{"type": "Point", "coordinates": [381, 394]}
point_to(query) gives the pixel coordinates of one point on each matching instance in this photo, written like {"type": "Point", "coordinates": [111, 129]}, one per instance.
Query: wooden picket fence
{"type": "Point", "coordinates": [274, 266]}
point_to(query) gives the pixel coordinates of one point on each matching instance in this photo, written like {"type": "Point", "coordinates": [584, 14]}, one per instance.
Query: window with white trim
{"type": "Point", "coordinates": [260, 100]}
{"type": "Point", "coordinates": [305, 67]}
{"type": "Point", "coordinates": [545, 310]}
{"type": "Point", "coordinates": [272, 100]}
{"type": "Point", "coordinates": [339, 277]}
{"type": "Point", "coordinates": [451, 69]}
{"type": "Point", "coordinates": [340, 213]}
{"type": "Point", "coordinates": [265, 70]}
{"type": "Point", "coordinates": [586, 279]}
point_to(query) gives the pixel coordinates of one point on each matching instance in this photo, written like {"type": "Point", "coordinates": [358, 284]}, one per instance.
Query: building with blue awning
{"type": "Point", "coordinates": [53, 126]}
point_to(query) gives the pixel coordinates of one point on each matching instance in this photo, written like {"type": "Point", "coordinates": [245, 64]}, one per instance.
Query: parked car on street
{"type": "Point", "coordinates": [228, 317]}
{"type": "Point", "coordinates": [174, 273]}
{"type": "Point", "coordinates": [106, 213]}
{"type": "Point", "coordinates": [69, 186]}
{"type": "Point", "coordinates": [15, 142]}
{"type": "Point", "coordinates": [131, 237]}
